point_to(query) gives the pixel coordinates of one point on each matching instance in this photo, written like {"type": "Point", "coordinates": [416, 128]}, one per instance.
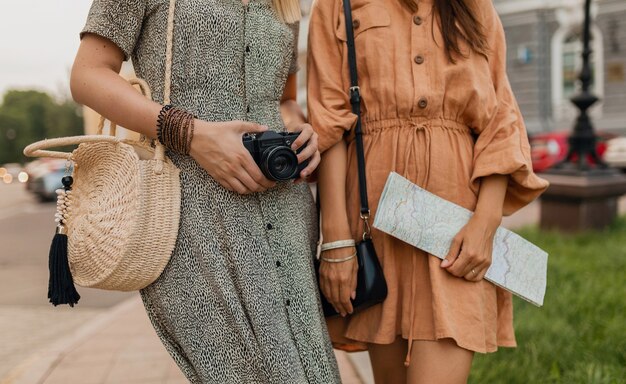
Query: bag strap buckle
{"type": "Point", "coordinates": [367, 229]}
{"type": "Point", "coordinates": [355, 94]}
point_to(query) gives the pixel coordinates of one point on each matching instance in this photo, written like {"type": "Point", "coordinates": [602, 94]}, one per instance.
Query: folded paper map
{"type": "Point", "coordinates": [428, 222]}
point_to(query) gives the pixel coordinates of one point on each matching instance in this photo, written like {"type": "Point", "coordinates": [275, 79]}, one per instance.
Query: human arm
{"type": "Point", "coordinates": [217, 147]}
{"type": "Point", "coordinates": [471, 250]}
{"type": "Point", "coordinates": [331, 116]}
{"type": "Point", "coordinates": [502, 174]}
{"type": "Point", "coordinates": [337, 280]}
{"type": "Point", "coordinates": [295, 122]}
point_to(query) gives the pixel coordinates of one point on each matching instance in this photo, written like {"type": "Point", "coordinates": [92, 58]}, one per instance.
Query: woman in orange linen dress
{"type": "Point", "coordinates": [441, 113]}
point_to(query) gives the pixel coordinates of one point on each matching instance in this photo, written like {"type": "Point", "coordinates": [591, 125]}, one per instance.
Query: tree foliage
{"type": "Point", "coordinates": [28, 115]}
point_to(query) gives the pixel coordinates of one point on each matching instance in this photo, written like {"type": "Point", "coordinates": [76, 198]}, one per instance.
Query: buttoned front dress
{"type": "Point", "coordinates": [238, 301]}
{"type": "Point", "coordinates": [442, 125]}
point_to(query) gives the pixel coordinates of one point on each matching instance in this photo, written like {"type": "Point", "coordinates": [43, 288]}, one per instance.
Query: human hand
{"type": "Point", "coordinates": [338, 280]}
{"type": "Point", "coordinates": [218, 148]}
{"type": "Point", "coordinates": [471, 249]}
{"type": "Point", "coordinates": [309, 137]}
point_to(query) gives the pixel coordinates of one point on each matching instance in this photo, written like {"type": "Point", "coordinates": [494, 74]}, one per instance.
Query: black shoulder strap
{"type": "Point", "coordinates": [355, 100]}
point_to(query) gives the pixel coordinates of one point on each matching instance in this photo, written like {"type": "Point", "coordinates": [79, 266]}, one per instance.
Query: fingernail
{"type": "Point", "coordinates": [445, 263]}
{"type": "Point", "coordinates": [353, 295]}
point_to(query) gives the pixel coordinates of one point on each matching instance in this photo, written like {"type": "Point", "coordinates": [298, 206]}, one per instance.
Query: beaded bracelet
{"type": "Point", "coordinates": [175, 128]}
{"type": "Point", "coordinates": [161, 121]}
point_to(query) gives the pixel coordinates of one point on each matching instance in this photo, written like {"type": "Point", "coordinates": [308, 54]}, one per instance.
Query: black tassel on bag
{"type": "Point", "coordinates": [61, 288]}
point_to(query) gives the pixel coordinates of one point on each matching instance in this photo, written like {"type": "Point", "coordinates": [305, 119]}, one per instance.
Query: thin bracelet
{"type": "Point", "coordinates": [338, 244]}
{"type": "Point", "coordinates": [161, 121]}
{"type": "Point", "coordinates": [339, 260]}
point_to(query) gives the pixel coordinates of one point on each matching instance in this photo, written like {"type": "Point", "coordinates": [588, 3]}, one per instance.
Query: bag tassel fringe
{"type": "Point", "coordinates": [61, 288]}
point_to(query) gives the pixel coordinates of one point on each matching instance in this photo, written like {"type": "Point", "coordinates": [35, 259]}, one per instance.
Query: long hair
{"type": "Point", "coordinates": [288, 10]}
{"type": "Point", "coordinates": [458, 21]}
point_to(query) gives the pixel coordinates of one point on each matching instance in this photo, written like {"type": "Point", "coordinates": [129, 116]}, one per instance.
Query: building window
{"type": "Point", "coordinates": [573, 64]}
{"type": "Point", "coordinates": [567, 63]}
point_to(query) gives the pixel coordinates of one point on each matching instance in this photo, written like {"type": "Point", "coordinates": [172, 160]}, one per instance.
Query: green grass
{"type": "Point", "coordinates": [579, 335]}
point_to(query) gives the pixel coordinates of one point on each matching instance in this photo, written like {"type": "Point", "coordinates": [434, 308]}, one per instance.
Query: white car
{"type": "Point", "coordinates": [615, 154]}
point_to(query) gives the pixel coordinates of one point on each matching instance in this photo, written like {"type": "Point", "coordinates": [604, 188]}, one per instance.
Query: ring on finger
{"type": "Point", "coordinates": [473, 271]}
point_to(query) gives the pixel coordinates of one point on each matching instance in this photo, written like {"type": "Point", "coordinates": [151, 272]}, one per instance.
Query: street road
{"type": "Point", "coordinates": [27, 321]}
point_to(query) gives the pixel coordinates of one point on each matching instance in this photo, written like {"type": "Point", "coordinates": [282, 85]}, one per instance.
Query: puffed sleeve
{"type": "Point", "coordinates": [295, 66]}
{"type": "Point", "coordinates": [117, 20]}
{"type": "Point", "coordinates": [328, 102]}
{"type": "Point", "coordinates": [502, 146]}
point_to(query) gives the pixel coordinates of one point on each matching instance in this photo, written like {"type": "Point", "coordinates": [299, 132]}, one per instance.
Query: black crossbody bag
{"type": "Point", "coordinates": [371, 286]}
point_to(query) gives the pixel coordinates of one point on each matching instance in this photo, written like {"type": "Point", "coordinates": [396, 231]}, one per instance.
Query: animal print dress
{"type": "Point", "coordinates": [238, 301]}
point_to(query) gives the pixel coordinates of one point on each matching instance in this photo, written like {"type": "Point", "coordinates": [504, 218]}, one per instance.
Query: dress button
{"type": "Point", "coordinates": [248, 109]}
{"type": "Point", "coordinates": [269, 226]}
{"type": "Point", "coordinates": [278, 264]}
{"type": "Point", "coordinates": [418, 20]}
{"type": "Point", "coordinates": [419, 59]}
{"type": "Point", "coordinates": [247, 48]}
{"type": "Point", "coordinates": [356, 23]}
{"type": "Point", "coordinates": [287, 302]}
{"type": "Point", "coordinates": [422, 103]}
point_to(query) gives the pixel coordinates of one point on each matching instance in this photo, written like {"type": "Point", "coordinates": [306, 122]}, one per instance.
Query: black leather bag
{"type": "Point", "coordinates": [371, 286]}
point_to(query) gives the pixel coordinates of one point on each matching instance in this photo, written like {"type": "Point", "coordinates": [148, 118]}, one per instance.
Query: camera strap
{"type": "Point", "coordinates": [355, 101]}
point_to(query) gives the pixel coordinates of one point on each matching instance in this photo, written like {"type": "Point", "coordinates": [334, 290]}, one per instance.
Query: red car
{"type": "Point", "coordinates": [548, 149]}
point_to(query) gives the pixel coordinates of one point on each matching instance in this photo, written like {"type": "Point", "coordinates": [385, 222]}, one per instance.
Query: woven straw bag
{"type": "Point", "coordinates": [123, 211]}
{"type": "Point", "coordinates": [118, 216]}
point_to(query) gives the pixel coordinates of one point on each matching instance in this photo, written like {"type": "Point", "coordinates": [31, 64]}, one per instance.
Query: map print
{"type": "Point", "coordinates": [428, 222]}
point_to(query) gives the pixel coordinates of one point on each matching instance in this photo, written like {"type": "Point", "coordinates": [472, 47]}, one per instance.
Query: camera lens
{"type": "Point", "coordinates": [279, 163]}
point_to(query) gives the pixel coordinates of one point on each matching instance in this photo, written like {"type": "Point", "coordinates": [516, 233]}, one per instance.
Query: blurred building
{"type": "Point", "coordinates": [544, 48]}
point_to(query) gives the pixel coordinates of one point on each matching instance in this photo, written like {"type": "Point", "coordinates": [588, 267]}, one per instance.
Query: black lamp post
{"type": "Point", "coordinates": [583, 191]}
{"type": "Point", "coordinates": [582, 142]}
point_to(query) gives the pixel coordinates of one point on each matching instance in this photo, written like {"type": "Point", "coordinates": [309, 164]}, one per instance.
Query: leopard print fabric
{"type": "Point", "coordinates": [238, 301]}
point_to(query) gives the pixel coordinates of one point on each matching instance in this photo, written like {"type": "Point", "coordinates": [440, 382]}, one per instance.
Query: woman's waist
{"type": "Point", "coordinates": [416, 123]}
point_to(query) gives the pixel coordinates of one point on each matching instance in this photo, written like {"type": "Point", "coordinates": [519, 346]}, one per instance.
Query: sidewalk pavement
{"type": "Point", "coordinates": [120, 347]}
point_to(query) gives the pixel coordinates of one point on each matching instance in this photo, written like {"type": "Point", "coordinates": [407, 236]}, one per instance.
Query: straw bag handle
{"type": "Point", "coordinates": [39, 149]}
{"type": "Point", "coordinates": [145, 90]}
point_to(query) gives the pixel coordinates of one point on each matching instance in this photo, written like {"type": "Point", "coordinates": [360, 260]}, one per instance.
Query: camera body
{"type": "Point", "coordinates": [273, 154]}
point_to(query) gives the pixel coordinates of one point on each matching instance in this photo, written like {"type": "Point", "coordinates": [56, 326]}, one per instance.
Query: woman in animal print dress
{"type": "Point", "coordinates": [238, 301]}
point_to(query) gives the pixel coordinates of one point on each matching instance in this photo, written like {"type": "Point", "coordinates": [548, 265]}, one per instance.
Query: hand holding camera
{"type": "Point", "coordinates": [216, 147]}
{"type": "Point", "coordinates": [264, 158]}
{"type": "Point", "coordinates": [311, 153]}
{"type": "Point", "coordinates": [285, 156]}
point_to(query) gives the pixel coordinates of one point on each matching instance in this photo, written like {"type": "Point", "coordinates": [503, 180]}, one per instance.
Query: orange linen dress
{"type": "Point", "coordinates": [443, 126]}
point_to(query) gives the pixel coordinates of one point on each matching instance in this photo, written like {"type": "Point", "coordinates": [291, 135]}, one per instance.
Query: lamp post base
{"type": "Point", "coordinates": [581, 201]}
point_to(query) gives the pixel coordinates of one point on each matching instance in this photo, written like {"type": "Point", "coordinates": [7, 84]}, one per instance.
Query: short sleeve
{"type": "Point", "coordinates": [328, 101]}
{"type": "Point", "coordinates": [502, 146]}
{"type": "Point", "coordinates": [295, 66]}
{"type": "Point", "coordinates": [117, 20]}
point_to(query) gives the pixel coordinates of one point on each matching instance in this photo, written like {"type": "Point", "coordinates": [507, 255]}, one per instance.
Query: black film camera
{"type": "Point", "coordinates": [273, 154]}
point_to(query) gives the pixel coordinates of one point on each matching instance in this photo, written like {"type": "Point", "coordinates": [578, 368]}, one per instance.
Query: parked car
{"type": "Point", "coordinates": [12, 172]}
{"type": "Point", "coordinates": [615, 154]}
{"type": "Point", "coordinates": [550, 148]}
{"type": "Point", "coordinates": [45, 177]}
